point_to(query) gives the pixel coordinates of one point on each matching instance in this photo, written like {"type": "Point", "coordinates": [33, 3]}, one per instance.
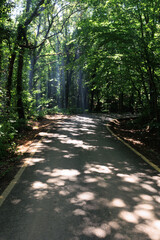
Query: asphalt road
{"type": "Point", "coordinates": [82, 184]}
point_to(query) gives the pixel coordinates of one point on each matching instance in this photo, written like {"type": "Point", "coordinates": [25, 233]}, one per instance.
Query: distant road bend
{"type": "Point", "coordinates": [82, 184]}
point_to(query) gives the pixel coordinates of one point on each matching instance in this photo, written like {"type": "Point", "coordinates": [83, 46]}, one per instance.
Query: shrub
{"type": "Point", "coordinates": [7, 134]}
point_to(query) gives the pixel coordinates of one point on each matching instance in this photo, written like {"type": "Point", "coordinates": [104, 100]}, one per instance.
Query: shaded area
{"type": "Point", "coordinates": [83, 184]}
{"type": "Point", "coordinates": [140, 137]}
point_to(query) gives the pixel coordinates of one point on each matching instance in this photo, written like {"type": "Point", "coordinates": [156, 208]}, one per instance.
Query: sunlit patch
{"type": "Point", "coordinates": [96, 168]}
{"type": "Point", "coordinates": [106, 227]}
{"type": "Point", "coordinates": [82, 119]}
{"type": "Point", "coordinates": [36, 147]}
{"type": "Point", "coordinates": [119, 236]}
{"type": "Point", "coordinates": [89, 147]}
{"type": "Point", "coordinates": [157, 179]}
{"type": "Point", "coordinates": [69, 155]}
{"type": "Point", "coordinates": [77, 202]}
{"type": "Point", "coordinates": [87, 196]}
{"type": "Point", "coordinates": [55, 181]}
{"type": "Point", "coordinates": [77, 143]}
{"type": "Point", "coordinates": [123, 188]}
{"type": "Point", "coordinates": [16, 201]}
{"type": "Point", "coordinates": [88, 125]}
{"type": "Point", "coordinates": [61, 137]}
{"type": "Point", "coordinates": [40, 194]}
{"type": "Point", "coordinates": [75, 134]}
{"type": "Point", "coordinates": [90, 180]}
{"type": "Point", "coordinates": [29, 210]}
{"type": "Point", "coordinates": [157, 199]}
{"type": "Point", "coordinates": [84, 129]}
{"type": "Point", "coordinates": [98, 232]}
{"type": "Point", "coordinates": [114, 225]}
{"type": "Point", "coordinates": [129, 217]}
{"type": "Point", "coordinates": [46, 134]}
{"type": "Point", "coordinates": [145, 214]}
{"type": "Point", "coordinates": [108, 148]}
{"type": "Point", "coordinates": [133, 141]}
{"type": "Point", "coordinates": [117, 202]}
{"type": "Point", "coordinates": [64, 192]}
{"type": "Point", "coordinates": [152, 229]}
{"type": "Point", "coordinates": [146, 197]}
{"type": "Point", "coordinates": [156, 224]}
{"type": "Point", "coordinates": [90, 132]}
{"type": "Point", "coordinates": [129, 178]}
{"type": "Point", "coordinates": [47, 140]}
{"type": "Point", "coordinates": [149, 182]}
{"type": "Point", "coordinates": [65, 174]}
{"type": "Point", "coordinates": [70, 129]}
{"type": "Point", "coordinates": [144, 206]}
{"type": "Point", "coordinates": [148, 187]}
{"type": "Point", "coordinates": [57, 210]}
{"type": "Point", "coordinates": [79, 212]}
{"type": "Point", "coordinates": [39, 185]}
{"type": "Point", "coordinates": [33, 161]}
{"type": "Point", "coordinates": [102, 184]}
{"type": "Point", "coordinates": [45, 173]}
{"type": "Point", "coordinates": [55, 149]}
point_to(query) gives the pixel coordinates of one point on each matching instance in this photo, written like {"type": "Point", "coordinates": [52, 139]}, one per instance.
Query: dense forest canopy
{"type": "Point", "coordinates": [78, 56]}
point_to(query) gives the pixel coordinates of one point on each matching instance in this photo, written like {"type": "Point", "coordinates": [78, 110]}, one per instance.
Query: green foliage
{"type": "Point", "coordinates": [154, 127]}
{"type": "Point", "coordinates": [7, 135]}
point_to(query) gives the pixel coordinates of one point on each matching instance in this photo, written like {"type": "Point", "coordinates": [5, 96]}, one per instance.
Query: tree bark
{"type": "Point", "coordinates": [20, 107]}
{"type": "Point", "coordinates": [120, 103]}
{"type": "Point", "coordinates": [0, 59]}
{"type": "Point", "coordinates": [9, 79]}
{"type": "Point", "coordinates": [92, 101]}
{"type": "Point", "coordinates": [153, 96]}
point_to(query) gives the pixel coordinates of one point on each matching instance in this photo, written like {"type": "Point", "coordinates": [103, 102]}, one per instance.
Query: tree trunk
{"type": "Point", "coordinates": [20, 107]}
{"type": "Point", "coordinates": [120, 103]}
{"type": "Point", "coordinates": [92, 101]}
{"type": "Point", "coordinates": [153, 96]}
{"type": "Point", "coordinates": [0, 59]}
{"type": "Point", "coordinates": [67, 85]}
{"type": "Point", "coordinates": [31, 74]}
{"type": "Point", "coordinates": [9, 79]}
{"type": "Point", "coordinates": [28, 4]}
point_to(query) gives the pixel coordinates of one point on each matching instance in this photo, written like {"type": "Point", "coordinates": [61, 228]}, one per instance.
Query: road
{"type": "Point", "coordinates": [82, 184]}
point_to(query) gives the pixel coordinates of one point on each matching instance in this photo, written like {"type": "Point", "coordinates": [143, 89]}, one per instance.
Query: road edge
{"type": "Point", "coordinates": [135, 151]}
{"type": "Point", "coordinates": [16, 178]}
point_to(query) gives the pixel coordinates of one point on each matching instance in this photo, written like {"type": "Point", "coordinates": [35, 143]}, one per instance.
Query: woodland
{"type": "Point", "coordinates": [75, 57]}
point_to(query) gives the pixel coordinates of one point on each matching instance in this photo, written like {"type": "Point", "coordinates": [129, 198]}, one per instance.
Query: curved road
{"type": "Point", "coordinates": [82, 184]}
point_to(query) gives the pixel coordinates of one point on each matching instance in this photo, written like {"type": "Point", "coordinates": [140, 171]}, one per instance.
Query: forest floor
{"type": "Point", "coordinates": [141, 139]}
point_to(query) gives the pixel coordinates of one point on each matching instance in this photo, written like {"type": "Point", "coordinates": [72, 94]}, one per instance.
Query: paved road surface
{"type": "Point", "coordinates": [83, 184]}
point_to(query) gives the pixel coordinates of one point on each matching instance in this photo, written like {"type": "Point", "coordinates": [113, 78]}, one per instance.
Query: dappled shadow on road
{"type": "Point", "coordinates": [86, 185]}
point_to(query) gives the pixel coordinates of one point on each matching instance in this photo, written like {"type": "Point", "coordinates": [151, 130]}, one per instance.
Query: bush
{"type": "Point", "coordinates": [154, 126]}
{"type": "Point", "coordinates": [7, 135]}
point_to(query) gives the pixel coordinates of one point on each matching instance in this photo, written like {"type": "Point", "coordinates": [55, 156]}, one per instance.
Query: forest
{"type": "Point", "coordinates": [75, 57]}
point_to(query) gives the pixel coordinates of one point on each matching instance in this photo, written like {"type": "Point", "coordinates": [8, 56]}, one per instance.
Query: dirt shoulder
{"type": "Point", "coordinates": [141, 139]}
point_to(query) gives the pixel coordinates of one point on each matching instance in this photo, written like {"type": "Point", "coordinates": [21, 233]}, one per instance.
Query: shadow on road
{"type": "Point", "coordinates": [83, 184]}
